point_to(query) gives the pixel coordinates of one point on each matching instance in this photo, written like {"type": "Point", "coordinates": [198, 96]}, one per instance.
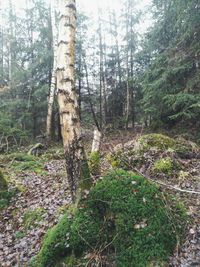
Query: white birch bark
{"type": "Point", "coordinates": [68, 100]}
{"type": "Point", "coordinates": [53, 77]}
{"type": "Point", "coordinates": [96, 141]}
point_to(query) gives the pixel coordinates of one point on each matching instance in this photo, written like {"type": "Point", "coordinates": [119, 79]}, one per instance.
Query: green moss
{"type": "Point", "coordinates": [55, 244]}
{"type": "Point", "coordinates": [5, 198]}
{"type": "Point", "coordinates": [33, 166]}
{"type": "Point", "coordinates": [19, 235]}
{"type": "Point", "coordinates": [54, 153]}
{"type": "Point", "coordinates": [159, 141]}
{"type": "Point", "coordinates": [32, 217]}
{"type": "Point", "coordinates": [3, 182]}
{"type": "Point", "coordinates": [22, 157]}
{"type": "Point", "coordinates": [164, 165]}
{"type": "Point", "coordinates": [5, 195]}
{"type": "Point", "coordinates": [125, 216]}
{"type": "Point", "coordinates": [136, 153]}
{"type": "Point", "coordinates": [24, 162]}
{"type": "Point", "coordinates": [94, 163]}
{"type": "Point", "coordinates": [115, 160]}
{"type": "Point", "coordinates": [85, 178]}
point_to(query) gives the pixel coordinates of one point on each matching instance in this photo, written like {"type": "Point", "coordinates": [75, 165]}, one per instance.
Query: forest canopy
{"type": "Point", "coordinates": [128, 74]}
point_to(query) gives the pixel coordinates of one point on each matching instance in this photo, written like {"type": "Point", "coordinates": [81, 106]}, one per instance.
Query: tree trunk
{"type": "Point", "coordinates": [10, 57]}
{"type": "Point", "coordinates": [90, 100]}
{"type": "Point", "coordinates": [128, 93]}
{"type": "Point", "coordinates": [96, 141]}
{"type": "Point", "coordinates": [53, 77]}
{"type": "Point", "coordinates": [76, 164]}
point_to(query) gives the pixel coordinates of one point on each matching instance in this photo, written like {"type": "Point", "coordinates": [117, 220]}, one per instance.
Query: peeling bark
{"type": "Point", "coordinates": [76, 164]}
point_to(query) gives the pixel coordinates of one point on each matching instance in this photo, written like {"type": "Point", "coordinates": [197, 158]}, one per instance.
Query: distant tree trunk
{"type": "Point", "coordinates": [10, 57]}
{"type": "Point", "coordinates": [53, 77]}
{"type": "Point", "coordinates": [117, 50]}
{"type": "Point", "coordinates": [96, 141]}
{"type": "Point", "coordinates": [128, 93]}
{"type": "Point", "coordinates": [97, 131]}
{"type": "Point", "coordinates": [90, 100]}
{"type": "Point", "coordinates": [59, 134]}
{"type": "Point", "coordinates": [132, 95]}
{"type": "Point", "coordinates": [2, 54]}
{"type": "Point", "coordinates": [103, 97]}
{"type": "Point", "coordinates": [76, 164]}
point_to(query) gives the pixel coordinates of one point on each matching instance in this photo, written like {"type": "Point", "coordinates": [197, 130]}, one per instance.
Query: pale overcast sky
{"type": "Point", "coordinates": [91, 7]}
{"type": "Point", "coordinates": [88, 5]}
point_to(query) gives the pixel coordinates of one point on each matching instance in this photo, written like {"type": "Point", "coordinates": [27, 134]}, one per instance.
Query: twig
{"type": "Point", "coordinates": [167, 185]}
{"type": "Point", "coordinates": [108, 244]}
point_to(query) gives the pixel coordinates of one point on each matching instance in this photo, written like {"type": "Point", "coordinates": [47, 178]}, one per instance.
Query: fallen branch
{"type": "Point", "coordinates": [167, 185]}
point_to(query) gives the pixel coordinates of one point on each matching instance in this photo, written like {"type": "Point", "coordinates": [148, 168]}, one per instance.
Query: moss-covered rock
{"type": "Point", "coordinates": [124, 218]}
{"type": "Point", "coordinates": [158, 141]}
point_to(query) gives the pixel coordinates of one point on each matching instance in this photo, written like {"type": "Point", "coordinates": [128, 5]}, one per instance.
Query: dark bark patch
{"type": "Point", "coordinates": [71, 6]}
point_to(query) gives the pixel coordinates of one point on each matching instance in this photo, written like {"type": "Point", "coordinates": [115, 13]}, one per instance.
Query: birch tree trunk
{"type": "Point", "coordinates": [53, 76]}
{"type": "Point", "coordinates": [96, 141]}
{"type": "Point", "coordinates": [76, 164]}
{"type": "Point", "coordinates": [128, 95]}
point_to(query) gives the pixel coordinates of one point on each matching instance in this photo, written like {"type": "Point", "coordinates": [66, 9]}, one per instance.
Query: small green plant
{"type": "Point", "coordinates": [19, 235]}
{"type": "Point", "coordinates": [164, 165]}
{"type": "Point", "coordinates": [32, 217]}
{"type": "Point", "coordinates": [5, 195]}
{"type": "Point", "coordinates": [94, 163]}
{"type": "Point", "coordinates": [5, 198]}
{"type": "Point", "coordinates": [124, 215]}
{"type": "Point", "coordinates": [3, 182]}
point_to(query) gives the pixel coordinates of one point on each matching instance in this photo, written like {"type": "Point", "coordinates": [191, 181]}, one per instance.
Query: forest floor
{"type": "Point", "coordinates": [44, 197]}
{"type": "Point", "coordinates": [32, 211]}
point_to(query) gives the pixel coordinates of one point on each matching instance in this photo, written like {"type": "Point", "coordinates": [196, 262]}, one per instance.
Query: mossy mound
{"type": "Point", "coordinates": [54, 153]}
{"type": "Point", "coordinates": [158, 141]}
{"type": "Point", "coordinates": [23, 162]}
{"type": "Point", "coordinates": [146, 154]}
{"type": "Point", "coordinates": [124, 220]}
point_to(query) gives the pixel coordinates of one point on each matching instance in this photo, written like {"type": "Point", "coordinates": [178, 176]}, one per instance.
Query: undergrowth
{"type": "Point", "coordinates": [5, 195]}
{"type": "Point", "coordinates": [125, 219]}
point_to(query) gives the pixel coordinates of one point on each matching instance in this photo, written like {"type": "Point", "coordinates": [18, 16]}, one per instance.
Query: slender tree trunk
{"type": "Point", "coordinates": [96, 141]}
{"type": "Point", "coordinates": [53, 76]}
{"type": "Point", "coordinates": [97, 131]}
{"type": "Point", "coordinates": [103, 100]}
{"type": "Point", "coordinates": [2, 55]}
{"type": "Point", "coordinates": [90, 100]}
{"type": "Point", "coordinates": [10, 57]}
{"type": "Point", "coordinates": [128, 94]}
{"type": "Point", "coordinates": [117, 50]}
{"type": "Point", "coordinates": [132, 95]}
{"type": "Point", "coordinates": [76, 165]}
{"type": "Point", "coordinates": [79, 90]}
